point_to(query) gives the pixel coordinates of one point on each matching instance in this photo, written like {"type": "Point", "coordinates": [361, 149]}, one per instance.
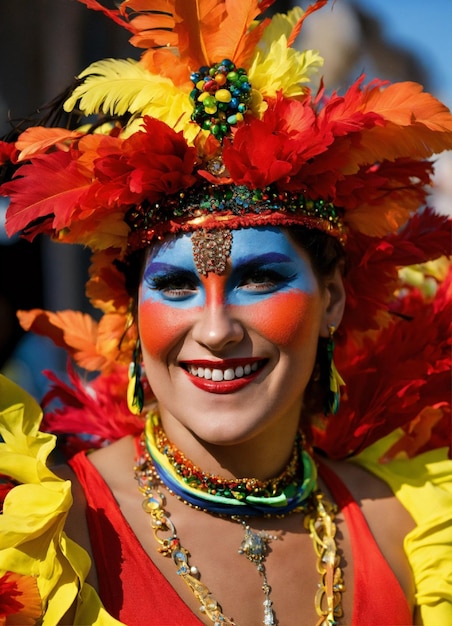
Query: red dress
{"type": "Point", "coordinates": [134, 591]}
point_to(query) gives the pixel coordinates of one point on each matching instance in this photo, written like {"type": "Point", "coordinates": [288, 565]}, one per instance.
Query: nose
{"type": "Point", "coordinates": [217, 329]}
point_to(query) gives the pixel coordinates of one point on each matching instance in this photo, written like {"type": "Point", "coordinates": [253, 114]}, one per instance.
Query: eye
{"type": "Point", "coordinates": [263, 280]}
{"type": "Point", "coordinates": [173, 285]}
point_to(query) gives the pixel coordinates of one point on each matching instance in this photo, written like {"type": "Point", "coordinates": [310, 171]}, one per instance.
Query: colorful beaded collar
{"type": "Point", "coordinates": [244, 496]}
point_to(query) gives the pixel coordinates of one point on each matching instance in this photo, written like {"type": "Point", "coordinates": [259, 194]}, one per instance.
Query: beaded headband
{"type": "Point", "coordinates": [211, 212]}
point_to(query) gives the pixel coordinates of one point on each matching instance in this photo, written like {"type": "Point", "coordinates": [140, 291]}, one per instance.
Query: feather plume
{"type": "Point", "coordinates": [97, 408]}
{"type": "Point", "coordinates": [114, 15]}
{"type": "Point", "coordinates": [94, 346]}
{"type": "Point", "coordinates": [53, 188]}
{"type": "Point", "coordinates": [212, 30]}
{"type": "Point", "coordinates": [297, 28]}
{"type": "Point", "coordinates": [395, 377]}
{"type": "Point", "coordinates": [39, 139]}
{"type": "Point", "coordinates": [421, 123]}
{"type": "Point", "coordinates": [117, 87]}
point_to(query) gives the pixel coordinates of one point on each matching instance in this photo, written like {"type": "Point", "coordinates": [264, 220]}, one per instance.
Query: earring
{"type": "Point", "coordinates": [135, 391]}
{"type": "Point", "coordinates": [332, 379]}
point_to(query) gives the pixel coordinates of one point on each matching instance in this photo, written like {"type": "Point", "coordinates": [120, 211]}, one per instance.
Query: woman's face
{"type": "Point", "coordinates": [228, 357]}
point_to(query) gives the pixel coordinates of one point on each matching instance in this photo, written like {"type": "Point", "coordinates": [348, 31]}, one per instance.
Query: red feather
{"type": "Point", "coordinates": [393, 376]}
{"type": "Point", "coordinates": [52, 186]}
{"type": "Point", "coordinates": [114, 15]}
{"type": "Point", "coordinates": [94, 412]}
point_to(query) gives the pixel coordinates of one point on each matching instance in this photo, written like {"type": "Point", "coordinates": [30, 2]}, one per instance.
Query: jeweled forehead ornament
{"type": "Point", "coordinates": [211, 250]}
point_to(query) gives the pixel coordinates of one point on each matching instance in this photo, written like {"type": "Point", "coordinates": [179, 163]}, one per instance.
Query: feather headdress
{"type": "Point", "coordinates": [219, 106]}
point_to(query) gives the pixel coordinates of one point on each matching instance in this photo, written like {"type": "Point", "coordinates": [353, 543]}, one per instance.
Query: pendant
{"type": "Point", "coordinates": [254, 546]}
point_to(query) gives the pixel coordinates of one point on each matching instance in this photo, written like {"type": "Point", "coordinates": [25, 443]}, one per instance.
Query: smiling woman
{"type": "Point", "coordinates": [249, 334]}
{"type": "Point", "coordinates": [248, 235]}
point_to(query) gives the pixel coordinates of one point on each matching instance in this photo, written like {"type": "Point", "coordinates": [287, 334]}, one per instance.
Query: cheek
{"type": "Point", "coordinates": [161, 326]}
{"type": "Point", "coordinates": [286, 319]}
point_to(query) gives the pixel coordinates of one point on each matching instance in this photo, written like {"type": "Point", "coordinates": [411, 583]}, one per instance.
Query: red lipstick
{"type": "Point", "coordinates": [223, 376]}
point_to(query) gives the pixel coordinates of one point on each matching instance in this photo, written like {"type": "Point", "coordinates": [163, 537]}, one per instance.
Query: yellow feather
{"type": "Point", "coordinates": [276, 66]}
{"type": "Point", "coordinates": [116, 87]}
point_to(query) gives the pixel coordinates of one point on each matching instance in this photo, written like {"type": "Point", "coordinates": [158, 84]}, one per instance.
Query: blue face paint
{"type": "Point", "coordinates": [263, 261]}
{"type": "Point", "coordinates": [170, 276]}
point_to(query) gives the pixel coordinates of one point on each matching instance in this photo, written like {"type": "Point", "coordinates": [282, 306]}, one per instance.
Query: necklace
{"type": "Point", "coordinates": [222, 496]}
{"type": "Point", "coordinates": [318, 520]}
{"type": "Point", "coordinates": [239, 488]}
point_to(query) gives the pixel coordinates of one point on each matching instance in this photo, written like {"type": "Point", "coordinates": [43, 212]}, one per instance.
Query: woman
{"type": "Point", "coordinates": [236, 223]}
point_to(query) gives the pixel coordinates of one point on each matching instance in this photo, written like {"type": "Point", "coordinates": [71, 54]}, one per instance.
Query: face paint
{"type": "Point", "coordinates": [275, 286]}
{"type": "Point", "coordinates": [271, 289]}
{"type": "Point", "coordinates": [227, 354]}
{"type": "Point", "coordinates": [169, 295]}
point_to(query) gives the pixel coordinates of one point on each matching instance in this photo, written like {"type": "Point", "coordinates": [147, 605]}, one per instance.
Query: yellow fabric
{"type": "Point", "coordinates": [423, 485]}
{"type": "Point", "coordinates": [32, 541]}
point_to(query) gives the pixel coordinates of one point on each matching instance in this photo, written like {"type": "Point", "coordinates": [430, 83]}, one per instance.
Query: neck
{"type": "Point", "coordinates": [263, 456]}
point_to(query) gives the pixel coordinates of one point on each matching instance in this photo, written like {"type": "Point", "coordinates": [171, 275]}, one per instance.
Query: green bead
{"type": "Point", "coordinates": [209, 101]}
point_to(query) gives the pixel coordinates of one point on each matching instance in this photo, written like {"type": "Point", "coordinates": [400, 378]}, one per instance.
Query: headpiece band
{"type": "Point", "coordinates": [210, 207]}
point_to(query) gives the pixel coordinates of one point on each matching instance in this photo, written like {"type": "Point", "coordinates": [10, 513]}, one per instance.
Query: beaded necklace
{"type": "Point", "coordinates": [318, 520]}
{"type": "Point", "coordinates": [243, 496]}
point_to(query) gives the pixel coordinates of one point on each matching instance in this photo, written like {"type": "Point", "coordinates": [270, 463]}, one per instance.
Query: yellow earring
{"type": "Point", "coordinates": [335, 381]}
{"type": "Point", "coordinates": [135, 391]}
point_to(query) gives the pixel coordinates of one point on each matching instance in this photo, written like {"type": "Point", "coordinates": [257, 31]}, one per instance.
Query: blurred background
{"type": "Point", "coordinates": [45, 43]}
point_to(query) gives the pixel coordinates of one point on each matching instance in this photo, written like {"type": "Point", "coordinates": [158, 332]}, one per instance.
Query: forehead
{"type": "Point", "coordinates": [246, 244]}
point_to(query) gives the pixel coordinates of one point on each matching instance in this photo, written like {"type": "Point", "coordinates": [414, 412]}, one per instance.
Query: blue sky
{"type": "Point", "coordinates": [425, 26]}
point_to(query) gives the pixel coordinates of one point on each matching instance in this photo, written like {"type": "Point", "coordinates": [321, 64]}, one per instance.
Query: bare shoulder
{"type": "Point", "coordinates": [115, 462]}
{"type": "Point", "coordinates": [387, 519]}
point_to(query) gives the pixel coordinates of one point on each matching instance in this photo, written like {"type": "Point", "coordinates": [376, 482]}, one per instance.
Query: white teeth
{"type": "Point", "coordinates": [229, 374]}
{"type": "Point", "coordinates": [218, 375]}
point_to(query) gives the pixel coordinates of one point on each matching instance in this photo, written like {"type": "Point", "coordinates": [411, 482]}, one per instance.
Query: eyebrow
{"type": "Point", "coordinates": [163, 268]}
{"type": "Point", "coordinates": [252, 261]}
{"type": "Point", "coordinates": [243, 264]}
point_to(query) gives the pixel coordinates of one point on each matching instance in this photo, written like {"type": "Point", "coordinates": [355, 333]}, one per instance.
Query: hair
{"type": "Point", "coordinates": [325, 252]}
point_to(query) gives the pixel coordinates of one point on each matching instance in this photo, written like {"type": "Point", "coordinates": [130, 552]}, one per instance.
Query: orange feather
{"type": "Point", "coordinates": [297, 28]}
{"type": "Point", "coordinates": [38, 139]}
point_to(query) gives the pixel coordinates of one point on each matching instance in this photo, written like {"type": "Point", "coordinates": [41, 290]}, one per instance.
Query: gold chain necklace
{"type": "Point", "coordinates": [318, 520]}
